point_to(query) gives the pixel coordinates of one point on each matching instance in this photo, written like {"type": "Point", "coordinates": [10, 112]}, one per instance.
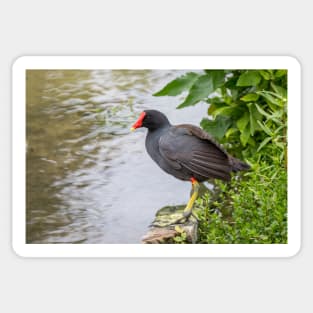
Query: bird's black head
{"type": "Point", "coordinates": [151, 119]}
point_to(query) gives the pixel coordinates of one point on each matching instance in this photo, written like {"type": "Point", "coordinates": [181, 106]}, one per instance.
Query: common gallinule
{"type": "Point", "coordinates": [186, 152]}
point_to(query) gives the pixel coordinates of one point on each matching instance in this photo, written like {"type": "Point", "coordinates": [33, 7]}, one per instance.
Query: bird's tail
{"type": "Point", "coordinates": [238, 165]}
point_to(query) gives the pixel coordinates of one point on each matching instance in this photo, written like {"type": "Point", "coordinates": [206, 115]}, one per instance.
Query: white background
{"type": "Point", "coordinates": [156, 62]}
{"type": "Point", "coordinates": [155, 28]}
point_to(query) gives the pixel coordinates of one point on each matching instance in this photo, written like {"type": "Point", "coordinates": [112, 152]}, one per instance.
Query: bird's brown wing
{"type": "Point", "coordinates": [200, 133]}
{"type": "Point", "coordinates": [189, 147]}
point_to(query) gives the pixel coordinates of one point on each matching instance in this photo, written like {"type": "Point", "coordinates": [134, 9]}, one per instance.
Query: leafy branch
{"type": "Point", "coordinates": [247, 108]}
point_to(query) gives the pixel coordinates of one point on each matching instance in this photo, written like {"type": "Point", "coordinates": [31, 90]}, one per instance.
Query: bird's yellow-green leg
{"type": "Point", "coordinates": [188, 209]}
{"type": "Point", "coordinates": [195, 189]}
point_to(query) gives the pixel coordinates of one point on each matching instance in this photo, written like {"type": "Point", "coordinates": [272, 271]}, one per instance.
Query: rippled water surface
{"type": "Point", "coordinates": [89, 180]}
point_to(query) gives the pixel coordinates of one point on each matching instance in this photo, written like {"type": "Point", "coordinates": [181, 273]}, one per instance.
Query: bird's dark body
{"type": "Point", "coordinates": [186, 151]}
{"type": "Point", "coordinates": [171, 167]}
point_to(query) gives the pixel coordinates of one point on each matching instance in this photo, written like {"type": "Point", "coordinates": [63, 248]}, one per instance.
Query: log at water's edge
{"type": "Point", "coordinates": [158, 233]}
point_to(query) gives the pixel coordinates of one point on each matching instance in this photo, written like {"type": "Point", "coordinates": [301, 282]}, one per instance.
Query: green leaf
{"type": "Point", "coordinates": [243, 122]}
{"type": "Point", "coordinates": [255, 116]}
{"type": "Point", "coordinates": [280, 73]}
{"type": "Point", "coordinates": [225, 110]}
{"type": "Point", "coordinates": [216, 74]}
{"type": "Point", "coordinates": [211, 109]}
{"type": "Point", "coordinates": [251, 142]}
{"type": "Point", "coordinates": [230, 131]}
{"type": "Point", "coordinates": [253, 123]}
{"type": "Point", "coordinates": [215, 103]}
{"type": "Point", "coordinates": [254, 111]}
{"type": "Point", "coordinates": [245, 135]}
{"type": "Point", "coordinates": [217, 127]}
{"type": "Point", "coordinates": [282, 92]}
{"type": "Point", "coordinates": [271, 98]}
{"type": "Point", "coordinates": [234, 93]}
{"type": "Point", "coordinates": [280, 145]}
{"type": "Point", "coordinates": [250, 97]}
{"type": "Point", "coordinates": [264, 142]}
{"type": "Point", "coordinates": [249, 78]}
{"type": "Point", "coordinates": [267, 115]}
{"type": "Point", "coordinates": [265, 128]}
{"type": "Point", "coordinates": [203, 87]}
{"type": "Point", "coordinates": [265, 74]}
{"type": "Point", "coordinates": [178, 85]}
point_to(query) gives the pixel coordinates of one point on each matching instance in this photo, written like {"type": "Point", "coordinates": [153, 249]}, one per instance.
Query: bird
{"type": "Point", "coordinates": [186, 152]}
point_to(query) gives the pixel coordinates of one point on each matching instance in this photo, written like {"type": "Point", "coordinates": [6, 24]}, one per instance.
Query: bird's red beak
{"type": "Point", "coordinates": [139, 121]}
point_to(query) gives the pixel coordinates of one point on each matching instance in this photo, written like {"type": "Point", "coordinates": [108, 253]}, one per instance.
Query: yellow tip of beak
{"type": "Point", "coordinates": [132, 129]}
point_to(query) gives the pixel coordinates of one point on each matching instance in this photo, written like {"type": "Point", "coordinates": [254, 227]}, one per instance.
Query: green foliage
{"type": "Point", "coordinates": [247, 114]}
{"type": "Point", "coordinates": [181, 237]}
{"type": "Point", "coordinates": [203, 87]}
{"type": "Point", "coordinates": [249, 78]}
{"type": "Point", "coordinates": [248, 106]}
{"type": "Point", "coordinates": [258, 212]}
{"type": "Point", "coordinates": [218, 126]}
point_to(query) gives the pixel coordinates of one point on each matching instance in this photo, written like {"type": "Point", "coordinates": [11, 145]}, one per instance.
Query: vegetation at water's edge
{"type": "Point", "coordinates": [247, 113]}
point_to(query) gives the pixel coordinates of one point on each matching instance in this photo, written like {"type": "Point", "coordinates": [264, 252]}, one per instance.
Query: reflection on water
{"type": "Point", "coordinates": [88, 179]}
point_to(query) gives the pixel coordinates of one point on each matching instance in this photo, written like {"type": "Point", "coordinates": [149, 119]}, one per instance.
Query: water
{"type": "Point", "coordinates": [89, 180]}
